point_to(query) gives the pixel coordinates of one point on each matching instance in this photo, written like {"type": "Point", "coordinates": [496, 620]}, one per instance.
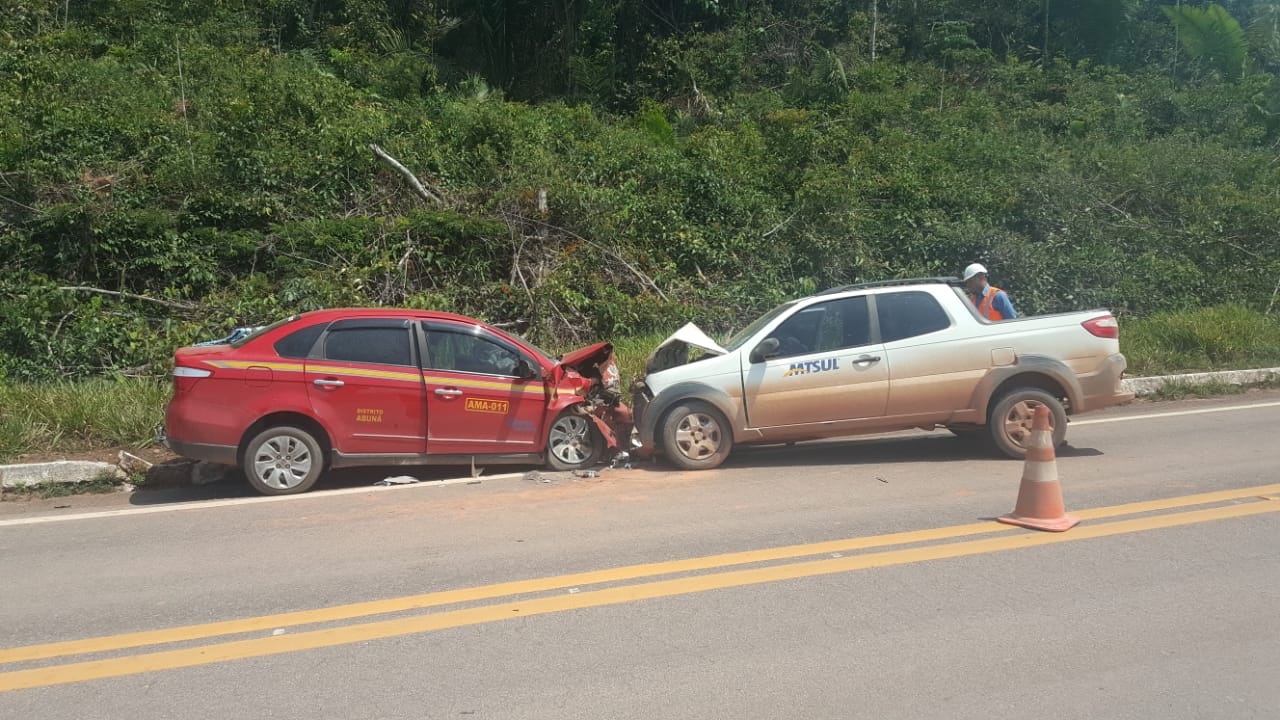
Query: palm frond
{"type": "Point", "coordinates": [1211, 35]}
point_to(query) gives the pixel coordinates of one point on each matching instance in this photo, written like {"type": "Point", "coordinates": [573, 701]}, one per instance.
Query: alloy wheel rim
{"type": "Point", "coordinates": [1018, 422]}
{"type": "Point", "coordinates": [282, 462]}
{"type": "Point", "coordinates": [698, 436]}
{"type": "Point", "coordinates": [570, 442]}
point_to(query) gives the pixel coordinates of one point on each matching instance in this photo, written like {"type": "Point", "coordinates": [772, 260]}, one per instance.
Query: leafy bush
{"type": "Point", "coordinates": [199, 166]}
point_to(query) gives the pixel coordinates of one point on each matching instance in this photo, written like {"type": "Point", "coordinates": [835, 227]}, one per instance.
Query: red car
{"type": "Point", "coordinates": [352, 387]}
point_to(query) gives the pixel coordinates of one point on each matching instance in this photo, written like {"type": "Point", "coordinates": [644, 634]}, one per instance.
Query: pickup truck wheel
{"type": "Point", "coordinates": [695, 436]}
{"type": "Point", "coordinates": [573, 442]}
{"type": "Point", "coordinates": [1010, 420]}
{"type": "Point", "coordinates": [283, 460]}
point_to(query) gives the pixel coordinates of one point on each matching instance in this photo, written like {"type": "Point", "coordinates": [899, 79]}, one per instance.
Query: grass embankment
{"type": "Point", "coordinates": [77, 416]}
{"type": "Point", "coordinates": [1203, 339]}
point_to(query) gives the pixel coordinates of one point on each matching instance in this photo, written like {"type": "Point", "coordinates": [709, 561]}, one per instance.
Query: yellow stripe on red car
{"type": "Point", "coordinates": [528, 388]}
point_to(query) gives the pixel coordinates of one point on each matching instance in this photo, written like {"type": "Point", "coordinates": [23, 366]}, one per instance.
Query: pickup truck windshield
{"type": "Point", "coordinates": [749, 331]}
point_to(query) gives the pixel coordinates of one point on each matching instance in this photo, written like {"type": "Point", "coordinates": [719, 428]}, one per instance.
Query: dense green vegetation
{"type": "Point", "coordinates": [170, 169]}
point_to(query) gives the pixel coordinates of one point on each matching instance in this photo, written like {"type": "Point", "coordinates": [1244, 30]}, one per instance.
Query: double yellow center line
{"type": "Point", "coordinates": [1006, 538]}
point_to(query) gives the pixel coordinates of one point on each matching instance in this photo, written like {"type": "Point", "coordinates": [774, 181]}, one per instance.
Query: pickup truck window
{"type": "Point", "coordinates": [908, 314]}
{"type": "Point", "coordinates": [826, 326]}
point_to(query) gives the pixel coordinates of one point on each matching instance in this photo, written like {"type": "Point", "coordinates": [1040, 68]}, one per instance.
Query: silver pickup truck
{"type": "Point", "coordinates": [875, 358]}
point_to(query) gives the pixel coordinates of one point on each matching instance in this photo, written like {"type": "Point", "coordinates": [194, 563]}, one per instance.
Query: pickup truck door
{"type": "Point", "coordinates": [934, 368]}
{"type": "Point", "coordinates": [826, 368]}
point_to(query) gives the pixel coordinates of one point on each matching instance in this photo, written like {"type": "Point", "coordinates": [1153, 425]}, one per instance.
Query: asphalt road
{"type": "Point", "coordinates": [843, 579]}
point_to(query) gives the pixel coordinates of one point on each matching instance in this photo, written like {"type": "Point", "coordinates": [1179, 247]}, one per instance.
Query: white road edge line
{"type": "Point", "coordinates": [205, 504]}
{"type": "Point", "coordinates": [1149, 416]}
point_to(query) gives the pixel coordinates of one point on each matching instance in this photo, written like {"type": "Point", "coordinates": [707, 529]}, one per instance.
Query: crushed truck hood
{"type": "Point", "coordinates": [674, 351]}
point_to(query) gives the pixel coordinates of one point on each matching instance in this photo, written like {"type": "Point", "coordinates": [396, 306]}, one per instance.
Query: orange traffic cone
{"type": "Point", "coordinates": [1040, 497]}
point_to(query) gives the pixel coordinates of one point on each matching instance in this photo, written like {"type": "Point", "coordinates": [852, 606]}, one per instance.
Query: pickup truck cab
{"type": "Point", "coordinates": [875, 358]}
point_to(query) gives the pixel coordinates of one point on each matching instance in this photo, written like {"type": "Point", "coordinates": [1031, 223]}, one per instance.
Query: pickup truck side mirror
{"type": "Point", "coordinates": [767, 348]}
{"type": "Point", "coordinates": [524, 370]}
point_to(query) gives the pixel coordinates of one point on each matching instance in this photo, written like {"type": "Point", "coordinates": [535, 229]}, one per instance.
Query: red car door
{"type": "Point", "coordinates": [477, 401]}
{"type": "Point", "coordinates": [364, 385]}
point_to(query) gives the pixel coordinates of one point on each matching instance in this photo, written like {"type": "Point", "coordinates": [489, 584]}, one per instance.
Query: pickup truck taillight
{"type": "Point", "coordinates": [1103, 327]}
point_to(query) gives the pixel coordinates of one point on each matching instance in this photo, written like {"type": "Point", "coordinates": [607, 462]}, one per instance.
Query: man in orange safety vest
{"type": "Point", "coordinates": [993, 303]}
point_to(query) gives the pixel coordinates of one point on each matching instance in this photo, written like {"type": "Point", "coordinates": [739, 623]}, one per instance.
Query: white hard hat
{"type": "Point", "coordinates": [974, 269]}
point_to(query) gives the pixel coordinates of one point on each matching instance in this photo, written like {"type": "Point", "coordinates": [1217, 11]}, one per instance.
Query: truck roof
{"type": "Point", "coordinates": [953, 281]}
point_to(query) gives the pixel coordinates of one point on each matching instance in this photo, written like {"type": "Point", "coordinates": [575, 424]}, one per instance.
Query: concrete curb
{"type": "Point", "coordinates": [59, 471]}
{"type": "Point", "coordinates": [182, 472]}
{"type": "Point", "coordinates": [1148, 385]}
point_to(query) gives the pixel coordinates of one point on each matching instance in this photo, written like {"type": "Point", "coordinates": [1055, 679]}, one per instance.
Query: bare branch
{"type": "Point", "coordinates": [130, 296]}
{"type": "Point", "coordinates": [642, 277]}
{"type": "Point", "coordinates": [421, 190]}
{"type": "Point", "coordinates": [780, 225]}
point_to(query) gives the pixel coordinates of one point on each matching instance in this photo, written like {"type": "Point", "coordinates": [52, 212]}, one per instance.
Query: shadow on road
{"type": "Point", "coordinates": [932, 448]}
{"type": "Point", "coordinates": [235, 486]}
{"type": "Point", "coordinates": [873, 451]}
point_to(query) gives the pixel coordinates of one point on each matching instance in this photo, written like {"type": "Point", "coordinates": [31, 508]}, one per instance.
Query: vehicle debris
{"type": "Point", "coordinates": [398, 480]}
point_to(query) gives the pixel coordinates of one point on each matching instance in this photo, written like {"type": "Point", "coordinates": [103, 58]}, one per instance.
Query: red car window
{"type": "Point", "coordinates": [298, 343]}
{"type": "Point", "coordinates": [378, 345]}
{"type": "Point", "coordinates": [469, 353]}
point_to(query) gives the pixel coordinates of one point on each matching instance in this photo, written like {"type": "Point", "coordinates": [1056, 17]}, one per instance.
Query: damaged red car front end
{"type": "Point", "coordinates": [591, 373]}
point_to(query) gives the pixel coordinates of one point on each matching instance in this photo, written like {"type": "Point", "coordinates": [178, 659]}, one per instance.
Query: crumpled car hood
{"type": "Point", "coordinates": [674, 351]}
{"type": "Point", "coordinates": [591, 361]}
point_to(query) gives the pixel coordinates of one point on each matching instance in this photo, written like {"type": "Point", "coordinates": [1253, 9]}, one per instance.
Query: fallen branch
{"type": "Point", "coordinates": [421, 190]}
{"type": "Point", "coordinates": [130, 296]}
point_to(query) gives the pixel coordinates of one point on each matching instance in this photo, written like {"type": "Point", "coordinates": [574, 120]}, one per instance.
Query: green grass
{"type": "Point", "coordinates": [1204, 339]}
{"type": "Point", "coordinates": [74, 416]}
{"type": "Point", "coordinates": [631, 354]}
{"type": "Point", "coordinates": [1179, 390]}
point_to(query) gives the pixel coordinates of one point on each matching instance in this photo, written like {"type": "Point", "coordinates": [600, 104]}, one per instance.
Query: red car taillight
{"type": "Point", "coordinates": [1103, 327]}
{"type": "Point", "coordinates": [185, 377]}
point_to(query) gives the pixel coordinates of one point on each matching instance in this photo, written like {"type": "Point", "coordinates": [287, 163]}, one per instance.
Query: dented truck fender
{"type": "Point", "coordinates": [656, 410]}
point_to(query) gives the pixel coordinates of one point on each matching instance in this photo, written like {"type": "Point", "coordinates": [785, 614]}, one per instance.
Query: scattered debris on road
{"type": "Point", "coordinates": [398, 480]}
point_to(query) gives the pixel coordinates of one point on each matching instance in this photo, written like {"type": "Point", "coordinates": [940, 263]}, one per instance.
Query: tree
{"type": "Point", "coordinates": [1211, 35]}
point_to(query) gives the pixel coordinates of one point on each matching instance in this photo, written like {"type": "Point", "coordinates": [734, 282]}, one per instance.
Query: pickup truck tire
{"type": "Point", "coordinates": [282, 460]}
{"type": "Point", "coordinates": [695, 436]}
{"type": "Point", "coordinates": [1010, 420]}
